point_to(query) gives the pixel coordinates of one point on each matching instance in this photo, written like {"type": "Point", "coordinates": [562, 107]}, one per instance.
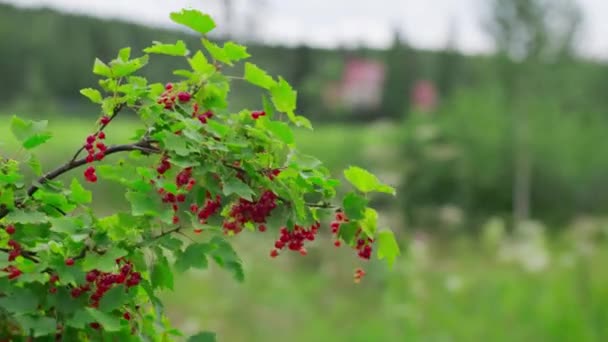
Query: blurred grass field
{"type": "Point", "coordinates": [454, 290]}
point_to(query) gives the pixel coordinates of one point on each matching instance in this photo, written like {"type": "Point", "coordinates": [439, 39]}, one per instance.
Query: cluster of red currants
{"type": "Point", "coordinates": [96, 149]}
{"type": "Point", "coordinates": [99, 283]}
{"type": "Point", "coordinates": [168, 97]}
{"type": "Point", "coordinates": [294, 240]}
{"type": "Point", "coordinates": [247, 211]}
{"type": "Point", "coordinates": [202, 117]}
{"type": "Point", "coordinates": [363, 246]}
{"type": "Point", "coordinates": [209, 209]}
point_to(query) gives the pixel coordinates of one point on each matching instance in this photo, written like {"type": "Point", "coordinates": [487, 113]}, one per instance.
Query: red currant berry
{"type": "Point", "coordinates": [10, 229]}
{"type": "Point", "coordinates": [69, 262]}
{"type": "Point", "coordinates": [184, 96]}
{"type": "Point", "coordinates": [274, 253]}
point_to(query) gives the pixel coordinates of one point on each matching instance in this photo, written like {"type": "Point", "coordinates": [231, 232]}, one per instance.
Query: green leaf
{"type": "Point", "coordinates": [369, 224]}
{"type": "Point", "coordinates": [231, 52]}
{"type": "Point", "coordinates": [194, 256]}
{"type": "Point", "coordinates": [161, 276]}
{"type": "Point", "coordinates": [203, 337]}
{"type": "Point", "coordinates": [34, 164]}
{"type": "Point", "coordinates": [347, 231]}
{"type": "Point", "coordinates": [259, 77]}
{"type": "Point", "coordinates": [283, 96]}
{"type": "Point", "coordinates": [40, 326]}
{"type": "Point", "coordinates": [108, 322]}
{"type": "Point", "coordinates": [176, 144]}
{"type": "Point", "coordinates": [199, 63]}
{"type": "Point", "coordinates": [217, 128]}
{"type": "Point", "coordinates": [105, 262]}
{"type": "Point", "coordinates": [387, 246]}
{"type": "Point", "coordinates": [92, 94]}
{"type": "Point", "coordinates": [177, 49]}
{"type": "Point", "coordinates": [30, 133]}
{"type": "Point", "coordinates": [26, 217]}
{"type": "Point", "coordinates": [65, 225]}
{"type": "Point", "coordinates": [101, 68]}
{"type": "Point", "coordinates": [282, 131]}
{"type": "Point", "coordinates": [233, 185]}
{"type": "Point", "coordinates": [124, 54]}
{"type": "Point", "coordinates": [20, 301]}
{"type": "Point", "coordinates": [143, 204]}
{"type": "Point", "coordinates": [194, 19]}
{"type": "Point", "coordinates": [124, 68]}
{"type": "Point", "coordinates": [79, 194]}
{"type": "Point", "coordinates": [365, 181]}
{"type": "Point", "coordinates": [354, 206]}
{"type": "Point", "coordinates": [225, 256]}
{"type": "Point", "coordinates": [113, 299]}
{"type": "Point", "coordinates": [7, 198]}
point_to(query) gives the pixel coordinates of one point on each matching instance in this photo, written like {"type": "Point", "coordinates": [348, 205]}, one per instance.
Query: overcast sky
{"type": "Point", "coordinates": [426, 23]}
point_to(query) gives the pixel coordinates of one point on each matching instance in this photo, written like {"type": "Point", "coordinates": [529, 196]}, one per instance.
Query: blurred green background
{"type": "Point", "coordinates": [500, 159]}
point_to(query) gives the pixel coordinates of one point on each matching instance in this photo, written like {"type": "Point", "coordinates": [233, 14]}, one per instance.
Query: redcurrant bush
{"type": "Point", "coordinates": [195, 174]}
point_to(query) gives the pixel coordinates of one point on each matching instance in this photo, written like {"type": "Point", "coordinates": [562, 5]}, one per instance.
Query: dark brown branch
{"type": "Point", "coordinates": [143, 146]}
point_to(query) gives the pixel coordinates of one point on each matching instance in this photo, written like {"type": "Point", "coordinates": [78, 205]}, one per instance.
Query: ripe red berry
{"type": "Point", "coordinates": [13, 254]}
{"type": "Point", "coordinates": [303, 251]}
{"type": "Point", "coordinates": [95, 325]}
{"type": "Point", "coordinates": [262, 228]}
{"type": "Point", "coordinates": [54, 278]}
{"type": "Point", "coordinates": [10, 229]}
{"type": "Point", "coordinates": [92, 276]}
{"type": "Point", "coordinates": [274, 253]}
{"type": "Point", "coordinates": [105, 120]}
{"type": "Point", "coordinates": [90, 158]}
{"type": "Point", "coordinates": [198, 231]}
{"type": "Point", "coordinates": [90, 139]}
{"type": "Point", "coordinates": [53, 290]}
{"type": "Point", "coordinates": [127, 316]}
{"type": "Point", "coordinates": [69, 262]}
{"type": "Point", "coordinates": [102, 135]}
{"type": "Point", "coordinates": [337, 243]}
{"type": "Point", "coordinates": [76, 292]}
{"type": "Point", "coordinates": [175, 220]}
{"type": "Point", "coordinates": [14, 273]}
{"type": "Point", "coordinates": [184, 96]}
{"type": "Point", "coordinates": [169, 86]}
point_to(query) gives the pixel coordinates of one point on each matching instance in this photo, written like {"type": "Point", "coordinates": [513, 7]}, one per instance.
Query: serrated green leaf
{"type": "Point", "coordinates": [194, 19]}
{"type": "Point", "coordinates": [65, 225]}
{"type": "Point", "coordinates": [203, 337]}
{"type": "Point", "coordinates": [176, 144]}
{"type": "Point", "coordinates": [35, 165]}
{"type": "Point", "coordinates": [235, 186]}
{"type": "Point", "coordinates": [195, 256]}
{"type": "Point", "coordinates": [177, 49]}
{"type": "Point", "coordinates": [101, 68]}
{"type": "Point", "coordinates": [387, 246]}
{"type": "Point", "coordinates": [259, 77]}
{"type": "Point", "coordinates": [124, 54]}
{"type": "Point", "coordinates": [369, 224]}
{"type": "Point", "coordinates": [161, 276]}
{"type": "Point", "coordinates": [282, 131]}
{"type": "Point", "coordinates": [121, 68]}
{"type": "Point", "coordinates": [228, 54]}
{"type": "Point", "coordinates": [348, 231]}
{"type": "Point", "coordinates": [20, 301]}
{"type": "Point", "coordinates": [26, 217]}
{"type": "Point", "coordinates": [224, 255]}
{"type": "Point", "coordinates": [365, 181]}
{"type": "Point", "coordinates": [79, 194]}
{"type": "Point", "coordinates": [108, 322]}
{"type": "Point", "coordinates": [39, 326]}
{"type": "Point", "coordinates": [105, 262]}
{"type": "Point", "coordinates": [217, 128]}
{"type": "Point", "coordinates": [30, 133]}
{"type": "Point", "coordinates": [7, 198]}
{"type": "Point", "coordinates": [113, 299]}
{"type": "Point", "coordinates": [283, 96]}
{"type": "Point", "coordinates": [92, 94]}
{"type": "Point", "coordinates": [199, 63]}
{"type": "Point", "coordinates": [143, 204]}
{"type": "Point", "coordinates": [354, 206]}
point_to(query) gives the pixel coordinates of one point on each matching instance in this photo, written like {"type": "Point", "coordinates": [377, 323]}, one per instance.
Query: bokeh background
{"type": "Point", "coordinates": [490, 116]}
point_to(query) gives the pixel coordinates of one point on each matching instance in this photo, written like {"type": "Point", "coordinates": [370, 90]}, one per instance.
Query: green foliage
{"type": "Point", "coordinates": [196, 174]}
